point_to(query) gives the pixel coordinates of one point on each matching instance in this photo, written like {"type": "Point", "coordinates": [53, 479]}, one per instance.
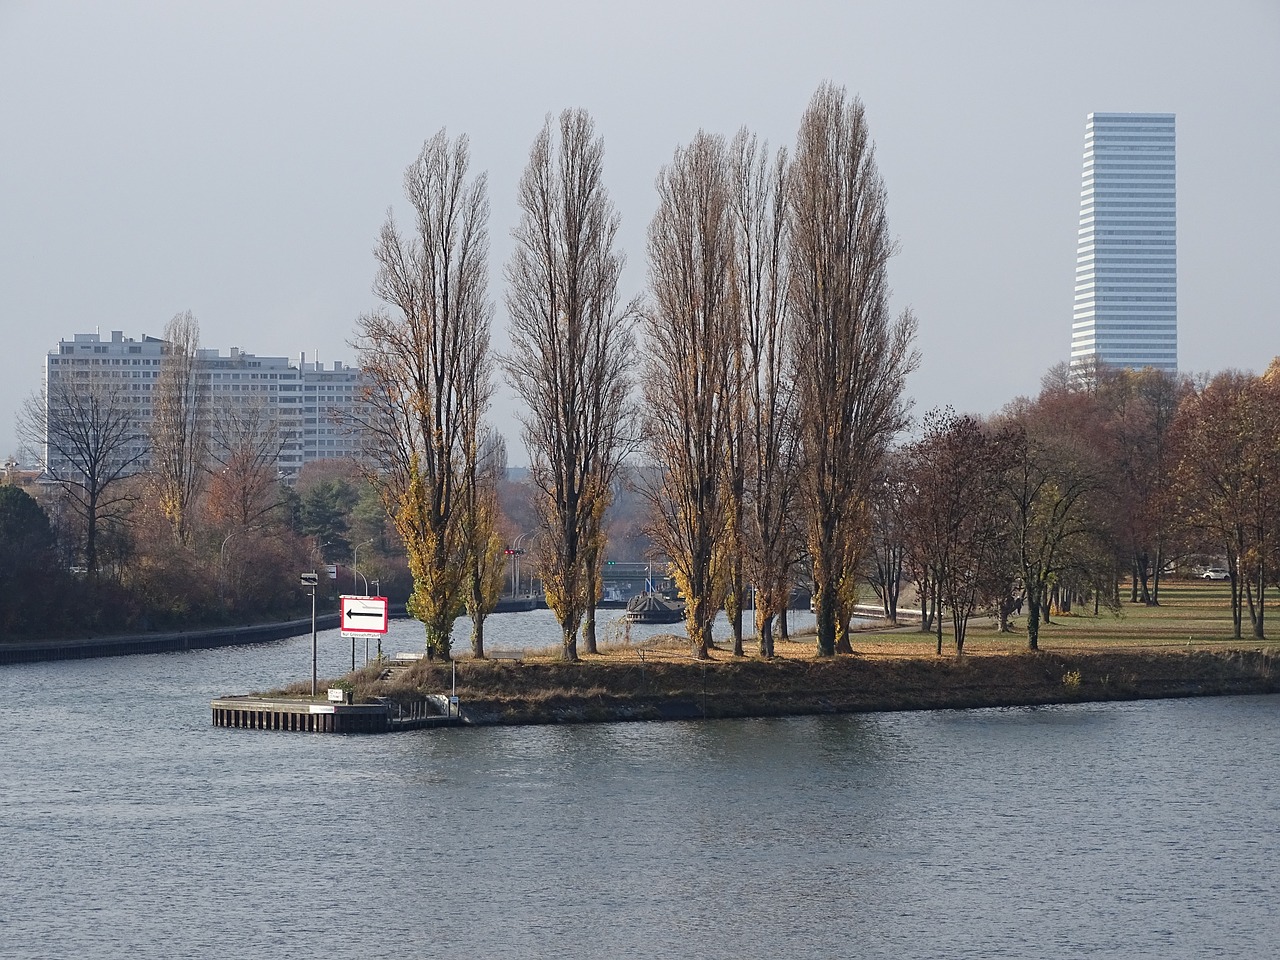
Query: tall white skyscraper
{"type": "Point", "coordinates": [1126, 306]}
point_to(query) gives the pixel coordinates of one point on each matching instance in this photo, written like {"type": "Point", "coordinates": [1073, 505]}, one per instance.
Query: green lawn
{"type": "Point", "coordinates": [1191, 612]}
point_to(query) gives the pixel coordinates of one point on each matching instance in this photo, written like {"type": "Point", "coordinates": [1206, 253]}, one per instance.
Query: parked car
{"type": "Point", "coordinates": [1215, 573]}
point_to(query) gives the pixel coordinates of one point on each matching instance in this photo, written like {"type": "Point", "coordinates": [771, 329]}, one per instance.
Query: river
{"type": "Point", "coordinates": [133, 828]}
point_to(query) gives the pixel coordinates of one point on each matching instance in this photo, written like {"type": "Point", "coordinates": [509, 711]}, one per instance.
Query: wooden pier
{"type": "Point", "coordinates": [310, 716]}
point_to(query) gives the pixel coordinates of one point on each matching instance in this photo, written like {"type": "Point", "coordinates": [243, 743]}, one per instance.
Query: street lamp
{"type": "Point", "coordinates": [516, 553]}
{"type": "Point", "coordinates": [222, 565]}
{"type": "Point", "coordinates": [355, 554]}
{"type": "Point", "coordinates": [310, 580]}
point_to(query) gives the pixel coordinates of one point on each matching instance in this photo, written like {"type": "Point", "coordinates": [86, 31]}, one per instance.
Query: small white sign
{"type": "Point", "coordinates": [337, 695]}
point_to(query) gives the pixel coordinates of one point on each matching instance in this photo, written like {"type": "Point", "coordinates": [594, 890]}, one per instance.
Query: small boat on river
{"type": "Point", "coordinates": [653, 608]}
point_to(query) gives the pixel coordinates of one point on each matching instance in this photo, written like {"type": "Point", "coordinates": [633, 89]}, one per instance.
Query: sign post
{"type": "Point", "coordinates": [362, 617]}
{"type": "Point", "coordinates": [310, 580]}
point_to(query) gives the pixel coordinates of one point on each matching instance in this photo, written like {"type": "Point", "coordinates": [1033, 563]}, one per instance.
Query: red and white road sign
{"type": "Point", "coordinates": [363, 615]}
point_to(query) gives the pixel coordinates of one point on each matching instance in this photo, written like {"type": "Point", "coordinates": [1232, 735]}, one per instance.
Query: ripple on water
{"type": "Point", "coordinates": [134, 829]}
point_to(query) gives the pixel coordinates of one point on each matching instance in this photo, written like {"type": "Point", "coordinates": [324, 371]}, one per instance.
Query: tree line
{"type": "Point", "coordinates": [753, 396]}
{"type": "Point", "coordinates": [175, 520]}
{"type": "Point", "coordinates": [1109, 476]}
{"type": "Point", "coordinates": [759, 381]}
{"type": "Point", "coordinates": [756, 391]}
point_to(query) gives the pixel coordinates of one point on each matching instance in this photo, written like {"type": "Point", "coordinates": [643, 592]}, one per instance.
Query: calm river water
{"type": "Point", "coordinates": [132, 828]}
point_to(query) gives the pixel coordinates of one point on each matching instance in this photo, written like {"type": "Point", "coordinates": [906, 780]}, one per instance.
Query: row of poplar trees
{"type": "Point", "coordinates": [760, 380]}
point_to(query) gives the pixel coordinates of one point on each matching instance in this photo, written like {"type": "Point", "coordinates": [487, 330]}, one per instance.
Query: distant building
{"type": "Point", "coordinates": [1126, 297]}
{"type": "Point", "coordinates": [304, 401]}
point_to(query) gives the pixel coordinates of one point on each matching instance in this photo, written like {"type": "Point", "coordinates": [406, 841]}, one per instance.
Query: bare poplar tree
{"type": "Point", "coordinates": [689, 372]}
{"type": "Point", "coordinates": [421, 361]}
{"type": "Point", "coordinates": [85, 434]}
{"type": "Point", "coordinates": [482, 471]}
{"type": "Point", "coordinates": [850, 358]}
{"type": "Point", "coordinates": [571, 358]}
{"type": "Point", "coordinates": [760, 199]}
{"type": "Point", "coordinates": [178, 425]}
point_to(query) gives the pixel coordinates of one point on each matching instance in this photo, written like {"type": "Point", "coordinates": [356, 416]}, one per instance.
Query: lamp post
{"type": "Point", "coordinates": [310, 580]}
{"type": "Point", "coordinates": [355, 554]}
{"type": "Point", "coordinates": [315, 649]}
{"type": "Point", "coordinates": [517, 552]}
{"type": "Point", "coordinates": [222, 566]}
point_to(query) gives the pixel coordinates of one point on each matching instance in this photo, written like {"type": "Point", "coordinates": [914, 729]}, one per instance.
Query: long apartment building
{"type": "Point", "coordinates": [1126, 296]}
{"type": "Point", "coordinates": [304, 401]}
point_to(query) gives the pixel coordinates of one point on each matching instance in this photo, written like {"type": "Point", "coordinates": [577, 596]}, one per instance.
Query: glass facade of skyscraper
{"type": "Point", "coordinates": [1126, 303]}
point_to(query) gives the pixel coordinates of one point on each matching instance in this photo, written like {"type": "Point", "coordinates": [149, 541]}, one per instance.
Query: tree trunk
{"type": "Point", "coordinates": [764, 626]}
{"type": "Point", "coordinates": [825, 625]}
{"type": "Point", "coordinates": [592, 573]}
{"type": "Point", "coordinates": [477, 617]}
{"type": "Point", "coordinates": [589, 629]}
{"type": "Point", "coordinates": [1033, 619]}
{"type": "Point", "coordinates": [1258, 625]}
{"type": "Point", "coordinates": [569, 646]}
{"type": "Point", "coordinates": [437, 647]}
{"type": "Point", "coordinates": [733, 611]}
{"type": "Point", "coordinates": [844, 643]}
{"type": "Point", "coordinates": [937, 616]}
{"type": "Point", "coordinates": [91, 538]}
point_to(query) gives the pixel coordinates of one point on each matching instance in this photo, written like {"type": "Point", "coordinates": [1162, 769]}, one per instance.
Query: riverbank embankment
{"type": "Point", "coordinates": [545, 692]}
{"type": "Point", "coordinates": [33, 651]}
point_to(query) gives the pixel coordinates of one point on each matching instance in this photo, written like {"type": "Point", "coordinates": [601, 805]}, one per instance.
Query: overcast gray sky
{"type": "Point", "coordinates": [236, 159]}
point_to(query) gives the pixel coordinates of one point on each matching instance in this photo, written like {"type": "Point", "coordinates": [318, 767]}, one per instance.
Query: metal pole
{"type": "Point", "coordinates": [313, 641]}
{"type": "Point", "coordinates": [377, 589]}
{"type": "Point", "coordinates": [355, 558]}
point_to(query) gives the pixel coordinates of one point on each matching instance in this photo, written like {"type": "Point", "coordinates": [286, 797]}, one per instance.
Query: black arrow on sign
{"type": "Point", "coordinates": [361, 613]}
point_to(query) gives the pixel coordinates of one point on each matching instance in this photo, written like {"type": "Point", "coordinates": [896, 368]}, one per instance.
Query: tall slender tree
{"type": "Point", "coordinates": [689, 373]}
{"type": "Point", "coordinates": [571, 358]}
{"type": "Point", "coordinates": [485, 566]}
{"type": "Point", "coordinates": [768, 403]}
{"type": "Point", "coordinates": [179, 425]}
{"type": "Point", "coordinates": [420, 362]}
{"type": "Point", "coordinates": [850, 358]}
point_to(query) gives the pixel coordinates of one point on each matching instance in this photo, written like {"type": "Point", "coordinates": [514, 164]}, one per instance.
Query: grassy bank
{"type": "Point", "coordinates": [1181, 648]}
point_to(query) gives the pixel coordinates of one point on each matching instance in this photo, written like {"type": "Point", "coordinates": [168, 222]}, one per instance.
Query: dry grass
{"type": "Point", "coordinates": [1192, 615]}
